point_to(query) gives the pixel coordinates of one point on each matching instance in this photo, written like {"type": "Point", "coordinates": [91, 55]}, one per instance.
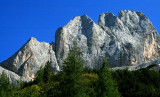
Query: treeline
{"type": "Point", "coordinates": [76, 81]}
{"type": "Point", "coordinates": [140, 83]}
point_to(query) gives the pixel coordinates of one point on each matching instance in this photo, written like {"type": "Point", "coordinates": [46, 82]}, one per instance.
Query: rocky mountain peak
{"type": "Point", "coordinates": [127, 40]}
{"type": "Point", "coordinates": [108, 19]}
{"type": "Point", "coordinates": [117, 38]}
{"type": "Point", "coordinates": [85, 17]}
{"type": "Point", "coordinates": [32, 39]}
{"type": "Point", "coordinates": [28, 59]}
{"type": "Point", "coordinates": [129, 17]}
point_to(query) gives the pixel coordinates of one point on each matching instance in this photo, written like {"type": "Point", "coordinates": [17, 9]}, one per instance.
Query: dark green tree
{"type": "Point", "coordinates": [39, 76]}
{"type": "Point", "coordinates": [5, 86]}
{"type": "Point", "coordinates": [44, 75]}
{"type": "Point", "coordinates": [72, 85]}
{"type": "Point", "coordinates": [48, 73]}
{"type": "Point", "coordinates": [107, 86]}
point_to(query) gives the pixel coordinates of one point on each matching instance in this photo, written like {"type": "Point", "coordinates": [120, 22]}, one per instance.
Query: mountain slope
{"type": "Point", "coordinates": [127, 40]}
{"type": "Point", "coordinates": [27, 60]}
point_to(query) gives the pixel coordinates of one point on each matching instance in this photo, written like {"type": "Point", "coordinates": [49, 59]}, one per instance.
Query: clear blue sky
{"type": "Point", "coordinates": [22, 19]}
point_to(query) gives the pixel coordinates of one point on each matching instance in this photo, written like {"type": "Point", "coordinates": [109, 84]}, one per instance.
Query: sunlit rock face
{"type": "Point", "coordinates": [90, 38]}
{"type": "Point", "coordinates": [28, 60]}
{"type": "Point", "coordinates": [127, 40]}
{"type": "Point", "coordinates": [13, 77]}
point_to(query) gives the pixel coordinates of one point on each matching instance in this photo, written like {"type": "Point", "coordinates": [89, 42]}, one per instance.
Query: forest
{"type": "Point", "coordinates": [75, 80]}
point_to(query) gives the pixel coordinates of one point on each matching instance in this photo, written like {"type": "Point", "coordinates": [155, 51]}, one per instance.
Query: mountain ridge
{"type": "Point", "coordinates": [127, 40]}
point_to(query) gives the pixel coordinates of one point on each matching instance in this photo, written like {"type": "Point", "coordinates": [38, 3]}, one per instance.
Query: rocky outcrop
{"type": "Point", "coordinates": [28, 60]}
{"type": "Point", "coordinates": [13, 77]}
{"type": "Point", "coordinates": [127, 40]}
{"type": "Point", "coordinates": [89, 36]}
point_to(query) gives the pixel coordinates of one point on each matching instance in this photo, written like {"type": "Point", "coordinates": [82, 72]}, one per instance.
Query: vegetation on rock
{"type": "Point", "coordinates": [76, 81]}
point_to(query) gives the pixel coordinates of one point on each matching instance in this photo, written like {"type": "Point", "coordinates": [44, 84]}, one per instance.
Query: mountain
{"type": "Point", "coordinates": [127, 40]}
{"type": "Point", "coordinates": [28, 59]}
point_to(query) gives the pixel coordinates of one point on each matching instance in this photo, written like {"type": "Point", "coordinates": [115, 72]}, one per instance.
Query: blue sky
{"type": "Point", "coordinates": [22, 19]}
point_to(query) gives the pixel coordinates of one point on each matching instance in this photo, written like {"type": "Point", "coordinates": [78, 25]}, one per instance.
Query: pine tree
{"type": "Point", "coordinates": [5, 86]}
{"type": "Point", "coordinates": [107, 85]}
{"type": "Point", "coordinates": [39, 76]}
{"type": "Point", "coordinates": [44, 75]}
{"type": "Point", "coordinates": [47, 76]}
{"type": "Point", "coordinates": [72, 85]}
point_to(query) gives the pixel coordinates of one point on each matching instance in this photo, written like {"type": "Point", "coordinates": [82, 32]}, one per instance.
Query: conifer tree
{"type": "Point", "coordinates": [47, 76]}
{"type": "Point", "coordinates": [72, 71]}
{"type": "Point", "coordinates": [5, 85]}
{"type": "Point", "coordinates": [107, 85]}
{"type": "Point", "coordinates": [39, 76]}
{"type": "Point", "coordinates": [44, 75]}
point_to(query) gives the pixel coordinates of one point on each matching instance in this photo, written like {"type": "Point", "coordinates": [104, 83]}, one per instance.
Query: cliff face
{"type": "Point", "coordinates": [139, 40]}
{"type": "Point", "coordinates": [127, 40]}
{"type": "Point", "coordinates": [90, 38]}
{"type": "Point", "coordinates": [28, 60]}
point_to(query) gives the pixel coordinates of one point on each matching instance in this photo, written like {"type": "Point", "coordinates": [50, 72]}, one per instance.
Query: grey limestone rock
{"type": "Point", "coordinates": [89, 36]}
{"type": "Point", "coordinates": [127, 40]}
{"type": "Point", "coordinates": [28, 60]}
{"type": "Point", "coordinates": [13, 77]}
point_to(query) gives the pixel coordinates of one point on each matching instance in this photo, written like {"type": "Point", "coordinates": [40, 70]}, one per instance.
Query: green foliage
{"type": "Point", "coordinates": [39, 76]}
{"type": "Point", "coordinates": [139, 83]}
{"type": "Point", "coordinates": [73, 63]}
{"type": "Point", "coordinates": [45, 79]}
{"type": "Point", "coordinates": [54, 91]}
{"type": "Point", "coordinates": [5, 86]}
{"type": "Point", "coordinates": [32, 91]}
{"type": "Point", "coordinates": [90, 80]}
{"type": "Point", "coordinates": [72, 85]}
{"type": "Point", "coordinates": [76, 81]}
{"type": "Point", "coordinates": [4, 81]}
{"type": "Point", "coordinates": [48, 73]}
{"type": "Point", "coordinates": [44, 75]}
{"type": "Point", "coordinates": [107, 86]}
